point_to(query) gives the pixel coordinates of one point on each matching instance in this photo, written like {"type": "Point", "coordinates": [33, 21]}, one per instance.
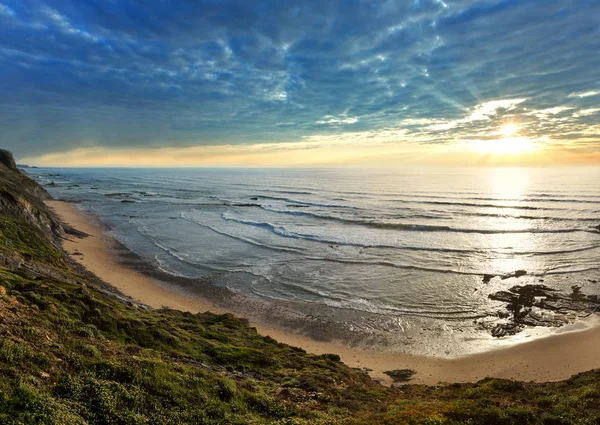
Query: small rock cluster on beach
{"type": "Point", "coordinates": [537, 305]}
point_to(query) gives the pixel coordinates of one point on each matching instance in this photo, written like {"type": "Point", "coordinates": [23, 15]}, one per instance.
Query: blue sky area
{"type": "Point", "coordinates": [138, 74]}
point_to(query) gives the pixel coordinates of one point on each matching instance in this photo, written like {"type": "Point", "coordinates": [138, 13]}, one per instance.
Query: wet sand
{"type": "Point", "coordinates": [552, 358]}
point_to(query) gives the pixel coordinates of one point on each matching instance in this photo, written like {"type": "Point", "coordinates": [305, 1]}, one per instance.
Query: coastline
{"type": "Point", "coordinates": [547, 359]}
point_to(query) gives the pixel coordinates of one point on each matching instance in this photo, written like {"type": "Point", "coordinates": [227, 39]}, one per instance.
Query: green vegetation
{"type": "Point", "coordinates": [72, 354]}
{"type": "Point", "coordinates": [19, 240]}
{"type": "Point", "coordinates": [69, 354]}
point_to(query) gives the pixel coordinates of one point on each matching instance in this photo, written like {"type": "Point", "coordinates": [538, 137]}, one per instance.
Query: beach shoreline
{"type": "Point", "coordinates": [552, 358]}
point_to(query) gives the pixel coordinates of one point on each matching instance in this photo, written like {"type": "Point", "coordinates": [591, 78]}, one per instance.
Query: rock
{"type": "Point", "coordinates": [539, 305]}
{"type": "Point", "coordinates": [7, 159]}
{"type": "Point", "coordinates": [488, 277]}
{"type": "Point", "coordinates": [401, 375]}
{"type": "Point", "coordinates": [12, 263]}
{"type": "Point", "coordinates": [504, 329]}
{"type": "Point", "coordinates": [246, 205]}
{"type": "Point", "coordinates": [111, 195]}
{"type": "Point", "coordinates": [516, 274]}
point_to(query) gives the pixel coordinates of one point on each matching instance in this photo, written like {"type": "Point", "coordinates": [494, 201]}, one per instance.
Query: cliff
{"type": "Point", "coordinates": [71, 352]}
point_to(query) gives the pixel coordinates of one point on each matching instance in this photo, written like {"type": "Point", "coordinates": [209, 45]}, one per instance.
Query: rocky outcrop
{"type": "Point", "coordinates": [539, 305]}
{"type": "Point", "coordinates": [7, 159]}
{"type": "Point", "coordinates": [21, 198]}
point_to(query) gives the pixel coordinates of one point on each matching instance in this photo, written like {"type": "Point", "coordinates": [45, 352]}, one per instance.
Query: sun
{"type": "Point", "coordinates": [509, 142]}
{"type": "Point", "coordinates": [508, 130]}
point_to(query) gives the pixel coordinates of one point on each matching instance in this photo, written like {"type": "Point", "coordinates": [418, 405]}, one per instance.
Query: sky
{"type": "Point", "coordinates": [300, 83]}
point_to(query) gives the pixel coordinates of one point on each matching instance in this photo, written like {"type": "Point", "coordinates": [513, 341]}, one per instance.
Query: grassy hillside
{"type": "Point", "coordinates": [72, 353]}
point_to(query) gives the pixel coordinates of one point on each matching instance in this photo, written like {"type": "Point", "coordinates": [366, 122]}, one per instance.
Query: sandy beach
{"type": "Point", "coordinates": [548, 359]}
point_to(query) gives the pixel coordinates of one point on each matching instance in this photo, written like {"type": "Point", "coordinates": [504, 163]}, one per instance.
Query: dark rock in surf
{"type": "Point", "coordinates": [245, 205]}
{"type": "Point", "coordinates": [506, 329]}
{"type": "Point", "coordinates": [516, 274]}
{"type": "Point", "coordinates": [111, 195]}
{"type": "Point", "coordinates": [488, 277]}
{"type": "Point", "coordinates": [540, 305]}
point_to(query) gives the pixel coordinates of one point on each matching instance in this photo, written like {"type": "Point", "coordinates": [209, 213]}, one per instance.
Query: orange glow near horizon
{"type": "Point", "coordinates": [509, 151]}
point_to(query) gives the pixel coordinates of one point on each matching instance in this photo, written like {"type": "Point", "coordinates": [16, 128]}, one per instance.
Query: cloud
{"type": "Point", "coordinates": [328, 119]}
{"type": "Point", "coordinates": [121, 74]}
{"type": "Point", "coordinates": [585, 94]}
{"type": "Point", "coordinates": [6, 11]}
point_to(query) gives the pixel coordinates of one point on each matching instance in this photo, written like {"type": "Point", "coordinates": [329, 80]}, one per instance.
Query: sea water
{"type": "Point", "coordinates": [402, 244]}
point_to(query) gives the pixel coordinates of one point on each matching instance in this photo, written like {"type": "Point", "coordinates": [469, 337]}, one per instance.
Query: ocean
{"type": "Point", "coordinates": [380, 252]}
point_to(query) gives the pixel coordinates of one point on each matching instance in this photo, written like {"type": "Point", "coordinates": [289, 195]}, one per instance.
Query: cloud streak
{"type": "Point", "coordinates": [119, 74]}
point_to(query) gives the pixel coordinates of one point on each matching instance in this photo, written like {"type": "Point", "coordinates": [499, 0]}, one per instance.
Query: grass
{"type": "Point", "coordinates": [102, 362]}
{"type": "Point", "coordinates": [27, 242]}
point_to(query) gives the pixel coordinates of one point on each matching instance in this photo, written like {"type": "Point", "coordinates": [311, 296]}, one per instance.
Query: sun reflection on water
{"type": "Point", "coordinates": [509, 186]}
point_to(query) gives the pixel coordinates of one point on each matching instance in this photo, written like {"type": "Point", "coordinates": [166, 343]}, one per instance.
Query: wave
{"type": "Point", "coordinates": [308, 203]}
{"type": "Point", "coordinates": [469, 204]}
{"type": "Point", "coordinates": [539, 198]}
{"type": "Point", "coordinates": [530, 217]}
{"type": "Point", "coordinates": [445, 271]}
{"type": "Point", "coordinates": [289, 192]}
{"type": "Point", "coordinates": [173, 253]}
{"type": "Point", "coordinates": [246, 240]}
{"type": "Point", "coordinates": [395, 265]}
{"type": "Point", "coordinates": [284, 232]}
{"type": "Point", "coordinates": [367, 306]}
{"type": "Point", "coordinates": [416, 227]}
{"type": "Point", "coordinates": [335, 218]}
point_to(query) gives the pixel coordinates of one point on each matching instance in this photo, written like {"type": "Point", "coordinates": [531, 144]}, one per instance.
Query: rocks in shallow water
{"type": "Point", "coordinates": [111, 195]}
{"type": "Point", "coordinates": [516, 274]}
{"type": "Point", "coordinates": [245, 205]}
{"type": "Point", "coordinates": [505, 329]}
{"type": "Point", "coordinates": [401, 375]}
{"type": "Point", "coordinates": [539, 305]}
{"type": "Point", "coordinates": [488, 277]}
{"type": "Point", "coordinates": [524, 295]}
